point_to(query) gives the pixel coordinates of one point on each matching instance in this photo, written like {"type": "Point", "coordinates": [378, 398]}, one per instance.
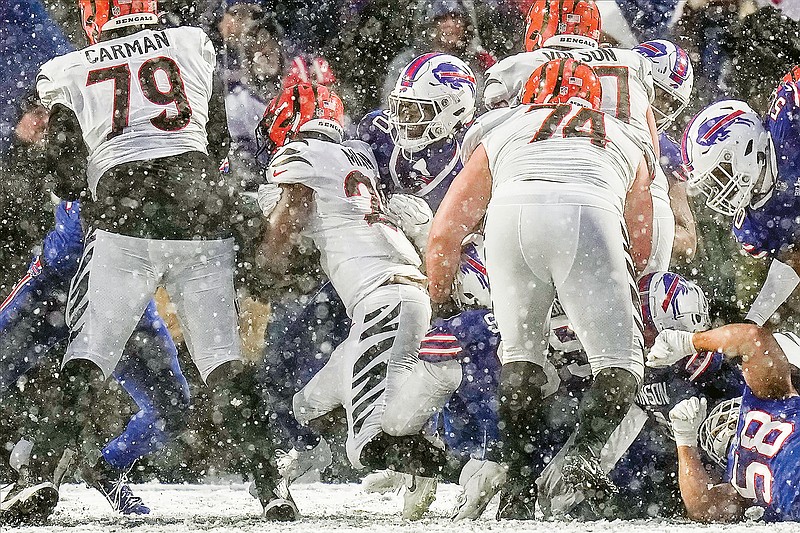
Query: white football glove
{"type": "Point", "coordinates": [670, 347]}
{"type": "Point", "coordinates": [268, 197]}
{"type": "Point", "coordinates": [413, 215]}
{"type": "Point", "coordinates": [686, 418]}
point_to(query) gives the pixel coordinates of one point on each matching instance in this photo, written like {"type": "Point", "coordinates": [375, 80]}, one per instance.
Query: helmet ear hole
{"type": "Point", "coordinates": [749, 147]}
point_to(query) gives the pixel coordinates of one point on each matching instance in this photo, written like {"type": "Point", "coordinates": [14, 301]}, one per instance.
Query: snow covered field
{"type": "Point", "coordinates": [325, 508]}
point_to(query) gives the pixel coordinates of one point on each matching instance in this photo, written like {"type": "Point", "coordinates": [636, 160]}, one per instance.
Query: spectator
{"type": "Point", "coordinates": [447, 26]}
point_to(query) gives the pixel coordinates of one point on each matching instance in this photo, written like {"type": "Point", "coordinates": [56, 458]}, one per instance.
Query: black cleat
{"type": "Point", "coordinates": [583, 472]}
{"type": "Point", "coordinates": [29, 505]}
{"type": "Point", "coordinates": [517, 503]}
{"type": "Point", "coordinates": [278, 503]}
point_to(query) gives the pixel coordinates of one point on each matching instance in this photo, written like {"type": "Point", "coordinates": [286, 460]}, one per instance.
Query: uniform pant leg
{"type": "Point", "coordinates": [424, 392]}
{"type": "Point", "coordinates": [522, 288]}
{"type": "Point", "coordinates": [599, 294]}
{"type": "Point", "coordinates": [388, 326]}
{"type": "Point", "coordinates": [113, 285]}
{"type": "Point", "coordinates": [199, 280]}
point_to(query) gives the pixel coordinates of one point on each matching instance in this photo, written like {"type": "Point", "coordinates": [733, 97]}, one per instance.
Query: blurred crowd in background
{"type": "Point", "coordinates": [739, 48]}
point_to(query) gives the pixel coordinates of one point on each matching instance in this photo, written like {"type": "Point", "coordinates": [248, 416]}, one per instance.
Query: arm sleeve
{"type": "Point", "coordinates": [781, 282]}
{"type": "Point", "coordinates": [66, 153]}
{"type": "Point", "coordinates": [291, 164]}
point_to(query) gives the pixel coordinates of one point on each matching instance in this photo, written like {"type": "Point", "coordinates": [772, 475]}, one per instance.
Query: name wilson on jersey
{"type": "Point", "coordinates": [142, 45]}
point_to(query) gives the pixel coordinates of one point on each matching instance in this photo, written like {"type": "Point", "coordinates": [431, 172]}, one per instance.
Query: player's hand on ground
{"type": "Point", "coordinates": [413, 215]}
{"type": "Point", "coordinates": [686, 418]}
{"type": "Point", "coordinates": [268, 197]}
{"type": "Point", "coordinates": [670, 347]}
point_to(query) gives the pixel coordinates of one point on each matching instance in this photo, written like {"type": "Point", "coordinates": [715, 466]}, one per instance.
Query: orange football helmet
{"type": "Point", "coordinates": [295, 107]}
{"type": "Point", "coordinates": [98, 15]}
{"type": "Point", "coordinates": [561, 80]}
{"type": "Point", "coordinates": [548, 18]}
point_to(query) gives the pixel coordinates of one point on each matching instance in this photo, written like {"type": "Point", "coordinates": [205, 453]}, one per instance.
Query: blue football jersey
{"type": "Point", "coordinates": [775, 226]}
{"type": "Point", "coordinates": [763, 459]}
{"type": "Point", "coordinates": [426, 173]}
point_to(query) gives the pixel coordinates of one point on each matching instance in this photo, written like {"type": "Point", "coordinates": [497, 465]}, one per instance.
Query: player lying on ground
{"type": "Point", "coordinates": [762, 457]}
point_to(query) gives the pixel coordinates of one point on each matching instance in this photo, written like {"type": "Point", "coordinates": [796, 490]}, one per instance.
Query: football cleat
{"type": "Point", "coordinates": [28, 504]}
{"type": "Point", "coordinates": [481, 481]}
{"type": "Point", "coordinates": [280, 506]}
{"type": "Point", "coordinates": [582, 471]}
{"type": "Point", "coordinates": [294, 464]}
{"type": "Point", "coordinates": [517, 503]}
{"type": "Point", "coordinates": [119, 494]}
{"type": "Point", "coordinates": [382, 481]}
{"type": "Point", "coordinates": [418, 496]}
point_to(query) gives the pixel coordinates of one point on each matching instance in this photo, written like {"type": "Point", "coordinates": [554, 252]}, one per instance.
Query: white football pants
{"type": "Point", "coordinates": [366, 372]}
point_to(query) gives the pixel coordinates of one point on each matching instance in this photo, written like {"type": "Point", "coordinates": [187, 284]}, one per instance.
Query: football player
{"type": "Point", "coordinates": [571, 29]}
{"type": "Point", "coordinates": [32, 322]}
{"type": "Point", "coordinates": [518, 171]}
{"type": "Point", "coordinates": [674, 235]}
{"type": "Point", "coordinates": [416, 141]}
{"type": "Point", "coordinates": [762, 457]}
{"type": "Point", "coordinates": [747, 168]}
{"type": "Point", "coordinates": [416, 145]}
{"type": "Point", "coordinates": [331, 195]}
{"type": "Point", "coordinates": [138, 124]}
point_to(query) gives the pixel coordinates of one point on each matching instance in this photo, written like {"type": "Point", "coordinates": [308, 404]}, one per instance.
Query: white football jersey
{"type": "Point", "coordinates": [568, 144]}
{"type": "Point", "coordinates": [138, 97]}
{"type": "Point", "coordinates": [626, 78]}
{"type": "Point", "coordinates": [359, 248]}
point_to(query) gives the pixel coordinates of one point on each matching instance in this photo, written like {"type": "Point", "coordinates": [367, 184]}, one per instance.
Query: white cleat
{"type": "Point", "coordinates": [419, 495]}
{"type": "Point", "coordinates": [382, 481]}
{"type": "Point", "coordinates": [294, 464]}
{"type": "Point", "coordinates": [481, 481]}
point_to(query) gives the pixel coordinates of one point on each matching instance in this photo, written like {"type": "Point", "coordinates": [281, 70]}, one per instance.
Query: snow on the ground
{"type": "Point", "coordinates": [325, 508]}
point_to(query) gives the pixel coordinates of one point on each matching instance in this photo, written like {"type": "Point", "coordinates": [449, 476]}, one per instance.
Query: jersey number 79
{"type": "Point", "coordinates": [121, 76]}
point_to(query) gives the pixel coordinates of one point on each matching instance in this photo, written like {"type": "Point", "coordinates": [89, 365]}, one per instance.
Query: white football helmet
{"type": "Point", "coordinates": [471, 285]}
{"type": "Point", "coordinates": [728, 155]}
{"type": "Point", "coordinates": [673, 78]}
{"type": "Point", "coordinates": [670, 301]}
{"type": "Point", "coordinates": [718, 429]}
{"type": "Point", "coordinates": [434, 95]}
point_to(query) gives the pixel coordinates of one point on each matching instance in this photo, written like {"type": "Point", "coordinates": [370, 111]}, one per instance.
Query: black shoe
{"type": "Point", "coordinates": [517, 503]}
{"type": "Point", "coordinates": [583, 472]}
{"type": "Point", "coordinates": [28, 505]}
{"type": "Point", "coordinates": [278, 503]}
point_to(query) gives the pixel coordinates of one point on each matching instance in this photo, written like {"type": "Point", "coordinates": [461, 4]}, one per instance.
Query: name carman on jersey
{"type": "Point", "coordinates": [141, 45]}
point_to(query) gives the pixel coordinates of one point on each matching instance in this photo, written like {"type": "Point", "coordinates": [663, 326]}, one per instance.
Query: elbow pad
{"type": "Point", "coordinates": [781, 282]}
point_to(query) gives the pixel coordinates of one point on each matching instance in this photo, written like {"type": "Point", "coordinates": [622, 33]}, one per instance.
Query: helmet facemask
{"type": "Point", "coordinates": [418, 123]}
{"type": "Point", "coordinates": [718, 430]}
{"type": "Point", "coordinates": [667, 105]}
{"type": "Point", "coordinates": [729, 184]}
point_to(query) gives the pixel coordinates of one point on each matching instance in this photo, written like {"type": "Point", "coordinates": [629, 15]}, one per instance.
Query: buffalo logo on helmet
{"type": "Point", "coordinates": [674, 289]}
{"type": "Point", "coordinates": [717, 129]}
{"type": "Point", "coordinates": [415, 69]}
{"type": "Point", "coordinates": [454, 77]}
{"type": "Point", "coordinates": [680, 71]}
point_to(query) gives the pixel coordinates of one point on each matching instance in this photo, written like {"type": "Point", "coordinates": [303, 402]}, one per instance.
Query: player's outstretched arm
{"type": "Point", "coordinates": [460, 212]}
{"type": "Point", "coordinates": [282, 231]}
{"type": "Point", "coordinates": [639, 217]}
{"type": "Point", "coordinates": [764, 365]}
{"type": "Point", "coordinates": [66, 153]}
